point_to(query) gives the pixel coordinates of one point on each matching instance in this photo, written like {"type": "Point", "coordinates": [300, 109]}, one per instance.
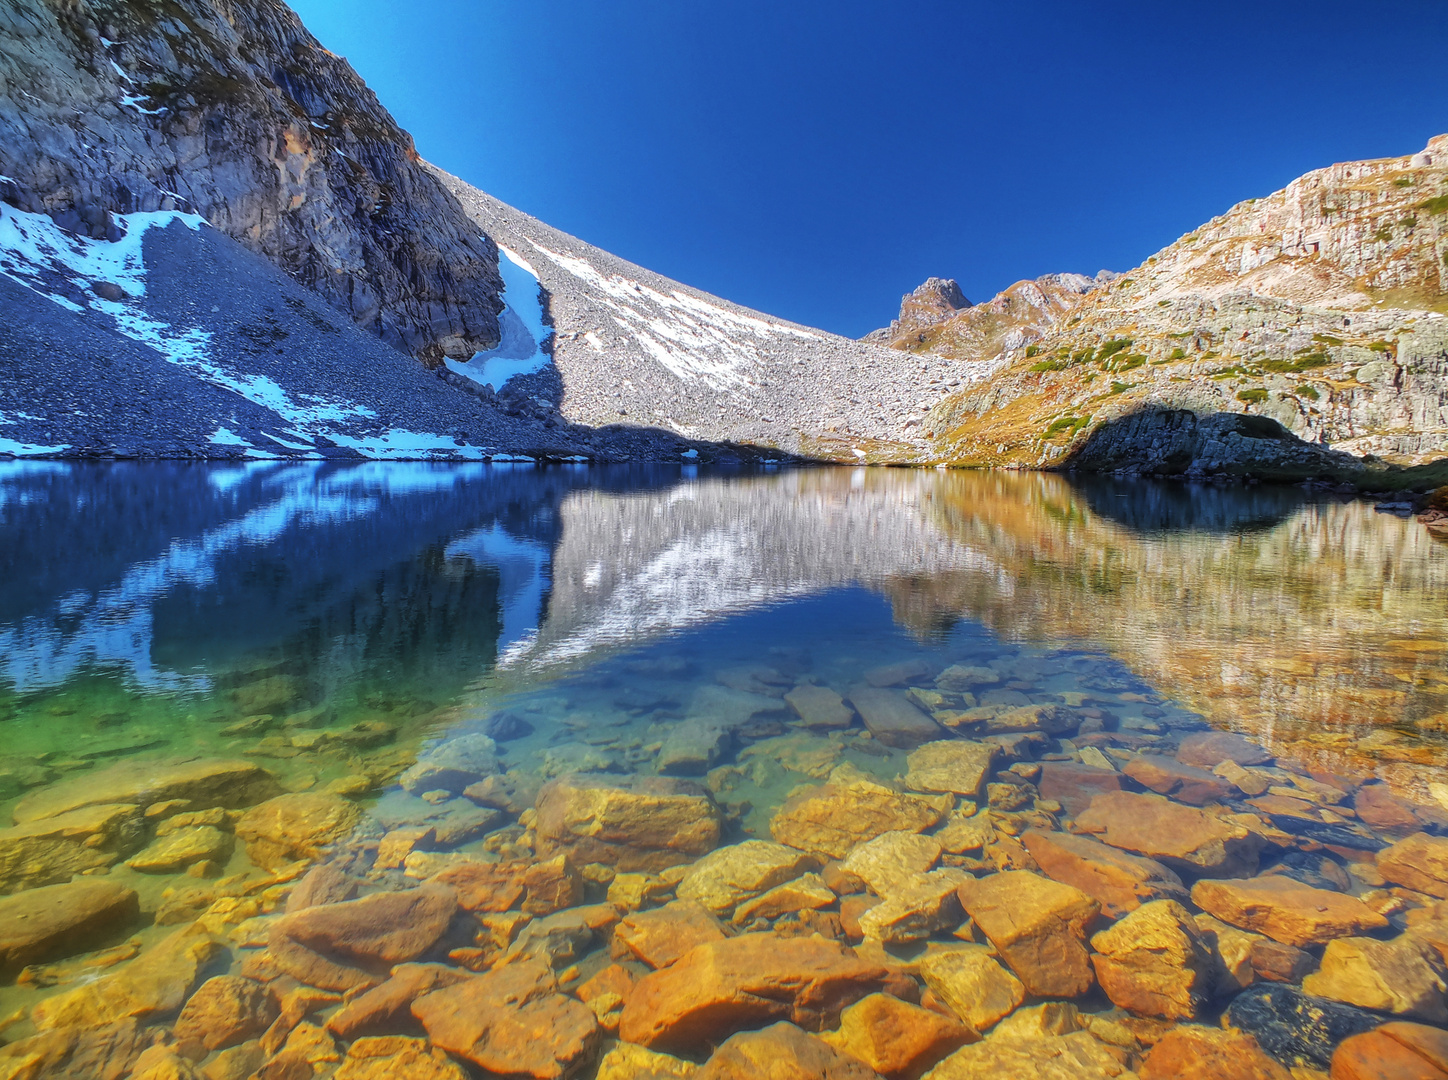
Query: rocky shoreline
{"type": "Point", "coordinates": [1035, 889]}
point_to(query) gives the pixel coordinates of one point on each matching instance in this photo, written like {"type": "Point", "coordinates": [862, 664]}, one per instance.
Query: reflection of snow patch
{"type": "Point", "coordinates": [520, 352]}
{"type": "Point", "coordinates": [523, 578]}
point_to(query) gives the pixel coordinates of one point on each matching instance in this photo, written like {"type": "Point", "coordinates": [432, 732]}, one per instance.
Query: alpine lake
{"type": "Point", "coordinates": [427, 771]}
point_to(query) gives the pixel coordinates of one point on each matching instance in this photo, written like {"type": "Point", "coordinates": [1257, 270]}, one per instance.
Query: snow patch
{"type": "Point", "coordinates": [16, 448]}
{"type": "Point", "coordinates": [520, 352]}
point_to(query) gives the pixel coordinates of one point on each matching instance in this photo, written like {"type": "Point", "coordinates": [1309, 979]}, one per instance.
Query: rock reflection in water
{"type": "Point", "coordinates": [874, 772]}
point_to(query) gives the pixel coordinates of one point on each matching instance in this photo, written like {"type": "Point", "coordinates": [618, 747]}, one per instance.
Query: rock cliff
{"type": "Point", "coordinates": [1320, 307]}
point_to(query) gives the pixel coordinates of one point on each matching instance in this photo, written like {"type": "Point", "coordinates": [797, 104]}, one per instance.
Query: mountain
{"type": "Point", "coordinates": [1319, 308]}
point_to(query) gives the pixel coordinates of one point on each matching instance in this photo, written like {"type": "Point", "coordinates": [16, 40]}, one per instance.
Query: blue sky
{"type": "Point", "coordinates": [816, 160]}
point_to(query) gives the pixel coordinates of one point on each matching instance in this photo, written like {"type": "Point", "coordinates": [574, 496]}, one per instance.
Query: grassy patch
{"type": "Point", "coordinates": [1382, 347]}
{"type": "Point", "coordinates": [1121, 387]}
{"type": "Point", "coordinates": [1032, 350]}
{"type": "Point", "coordinates": [1326, 339]}
{"type": "Point", "coordinates": [1114, 346]}
{"type": "Point", "coordinates": [1178, 354]}
{"type": "Point", "coordinates": [1403, 181]}
{"type": "Point", "coordinates": [1307, 391]}
{"type": "Point", "coordinates": [1436, 205]}
{"type": "Point", "coordinates": [1192, 239]}
{"type": "Point", "coordinates": [1069, 424]}
{"type": "Point", "coordinates": [1302, 363]}
{"type": "Point", "coordinates": [1252, 397]}
{"type": "Point", "coordinates": [1048, 365]}
{"type": "Point", "coordinates": [1383, 235]}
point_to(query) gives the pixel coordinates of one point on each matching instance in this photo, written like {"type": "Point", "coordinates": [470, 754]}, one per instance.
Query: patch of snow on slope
{"type": "Point", "coordinates": [60, 266]}
{"type": "Point", "coordinates": [15, 448]}
{"type": "Point", "coordinates": [690, 337]}
{"type": "Point", "coordinates": [520, 352]}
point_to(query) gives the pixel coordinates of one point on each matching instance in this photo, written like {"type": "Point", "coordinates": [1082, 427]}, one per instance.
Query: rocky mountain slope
{"type": "Point", "coordinates": [1320, 307]}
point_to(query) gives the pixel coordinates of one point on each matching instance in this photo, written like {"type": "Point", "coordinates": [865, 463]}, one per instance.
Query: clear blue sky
{"type": "Point", "coordinates": [817, 159]}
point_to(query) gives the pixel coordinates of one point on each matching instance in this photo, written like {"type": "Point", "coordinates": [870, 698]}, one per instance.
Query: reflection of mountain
{"type": "Point", "coordinates": [1158, 507]}
{"type": "Point", "coordinates": [164, 570]}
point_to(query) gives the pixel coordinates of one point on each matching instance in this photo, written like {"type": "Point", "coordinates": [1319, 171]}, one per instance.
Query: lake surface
{"type": "Point", "coordinates": [325, 628]}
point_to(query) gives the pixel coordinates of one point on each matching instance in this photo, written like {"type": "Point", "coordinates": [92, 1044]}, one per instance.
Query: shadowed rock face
{"type": "Point", "coordinates": [235, 112]}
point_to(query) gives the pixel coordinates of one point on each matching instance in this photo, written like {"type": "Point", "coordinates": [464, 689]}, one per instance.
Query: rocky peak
{"type": "Point", "coordinates": [235, 112]}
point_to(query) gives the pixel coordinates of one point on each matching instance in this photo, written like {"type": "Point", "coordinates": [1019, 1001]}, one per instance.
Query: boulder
{"type": "Point", "coordinates": [1053, 720]}
{"type": "Point", "coordinates": [1418, 862]}
{"type": "Point", "coordinates": [1038, 926]}
{"type": "Point", "coordinates": [53, 849]}
{"type": "Point", "coordinates": [727, 876]}
{"type": "Point", "coordinates": [1073, 785]}
{"type": "Point", "coordinates": [1191, 1052]}
{"type": "Point", "coordinates": [832, 818]}
{"type": "Point", "coordinates": [105, 1052]}
{"type": "Point", "coordinates": [1395, 1051]}
{"type": "Point", "coordinates": [628, 822]}
{"type": "Point", "coordinates": [896, 1039]}
{"type": "Point", "coordinates": [55, 921]}
{"type": "Point", "coordinates": [972, 984]}
{"type": "Point", "coordinates": [808, 892]}
{"type": "Point", "coordinates": [1155, 962]}
{"type": "Point", "coordinates": [629, 1062]}
{"type": "Point", "coordinates": [323, 884]}
{"type": "Point", "coordinates": [1285, 909]}
{"type": "Point", "coordinates": [452, 765]}
{"type": "Point", "coordinates": [387, 1009]}
{"type": "Point", "coordinates": [1376, 805]}
{"type": "Point", "coordinates": [204, 783]}
{"type": "Point", "coordinates": [150, 988]}
{"type": "Point", "coordinates": [1167, 776]}
{"type": "Point", "coordinates": [916, 908]}
{"type": "Point", "coordinates": [819, 707]}
{"type": "Point", "coordinates": [181, 848]}
{"type": "Point", "coordinates": [953, 766]}
{"type": "Point", "coordinates": [892, 859]}
{"type": "Point", "coordinates": [354, 943]}
{"type": "Point", "coordinates": [224, 1011]}
{"type": "Point", "coordinates": [782, 1052]}
{"type": "Point", "coordinates": [295, 826]}
{"type": "Point", "coordinates": [724, 986]}
{"type": "Point", "coordinates": [1183, 837]}
{"type": "Point", "coordinates": [511, 1021]}
{"type": "Point", "coordinates": [1403, 977]}
{"type": "Point", "coordinates": [551, 885]}
{"type": "Point", "coordinates": [693, 747]}
{"type": "Point", "coordinates": [662, 935]}
{"type": "Point", "coordinates": [1296, 1028]}
{"type": "Point", "coordinates": [1208, 749]}
{"type": "Point", "coordinates": [394, 1056]}
{"type": "Point", "coordinates": [900, 672]}
{"type": "Point", "coordinates": [1120, 882]}
{"type": "Point", "coordinates": [892, 719]}
{"type": "Point", "coordinates": [1077, 1056]}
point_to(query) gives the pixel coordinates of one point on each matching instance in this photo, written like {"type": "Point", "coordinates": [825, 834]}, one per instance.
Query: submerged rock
{"type": "Point", "coordinates": [1076, 1056]}
{"type": "Point", "coordinates": [1191, 1052]}
{"type": "Point", "coordinates": [832, 818]}
{"type": "Point", "coordinates": [782, 1052]}
{"type": "Point", "coordinates": [972, 984]}
{"type": "Point", "coordinates": [1119, 881]}
{"type": "Point", "coordinates": [1403, 977]}
{"type": "Point", "coordinates": [453, 765]}
{"type": "Point", "coordinates": [1182, 837]}
{"type": "Point", "coordinates": [53, 849]}
{"type": "Point", "coordinates": [102, 1052]}
{"type": "Point", "coordinates": [206, 783]}
{"type": "Point", "coordinates": [1296, 1028]}
{"type": "Point", "coordinates": [1155, 962]}
{"type": "Point", "coordinates": [179, 849]}
{"type": "Point", "coordinates": [896, 1039]}
{"type": "Point", "coordinates": [892, 719]}
{"type": "Point", "coordinates": [1207, 749]}
{"type": "Point", "coordinates": [395, 1056]}
{"type": "Point", "coordinates": [62, 920]}
{"type": "Point", "coordinates": [295, 826]}
{"type": "Point", "coordinates": [1395, 1051]}
{"type": "Point", "coordinates": [819, 707]}
{"type": "Point", "coordinates": [1038, 926]}
{"type": "Point", "coordinates": [956, 766]}
{"type": "Point", "coordinates": [225, 1011]}
{"type": "Point", "coordinates": [386, 1009]}
{"type": "Point", "coordinates": [629, 822]}
{"type": "Point", "coordinates": [1286, 910]}
{"type": "Point", "coordinates": [629, 1062]}
{"type": "Point", "coordinates": [661, 936]}
{"type": "Point", "coordinates": [1073, 785]}
{"type": "Point", "coordinates": [1419, 862]}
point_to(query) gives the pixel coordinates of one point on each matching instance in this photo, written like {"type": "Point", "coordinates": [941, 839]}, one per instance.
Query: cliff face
{"type": "Point", "coordinates": [232, 110]}
{"type": "Point", "coordinates": [1320, 307]}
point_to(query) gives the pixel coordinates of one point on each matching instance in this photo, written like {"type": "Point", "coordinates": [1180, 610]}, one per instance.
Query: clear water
{"type": "Point", "coordinates": [273, 611]}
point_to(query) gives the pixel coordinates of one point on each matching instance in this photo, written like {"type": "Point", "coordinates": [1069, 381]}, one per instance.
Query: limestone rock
{"type": "Point", "coordinates": [832, 818]}
{"type": "Point", "coordinates": [729, 875]}
{"type": "Point", "coordinates": [892, 859]}
{"type": "Point", "coordinates": [224, 1011]}
{"type": "Point", "coordinates": [630, 823]}
{"type": "Point", "coordinates": [1404, 977]}
{"type": "Point", "coordinates": [1286, 910]}
{"type": "Point", "coordinates": [202, 784]}
{"type": "Point", "coordinates": [392, 1057]}
{"type": "Point", "coordinates": [1207, 749]}
{"type": "Point", "coordinates": [1191, 1052]}
{"type": "Point", "coordinates": [916, 907]}
{"type": "Point", "coordinates": [1419, 862]}
{"type": "Point", "coordinates": [896, 1039]}
{"type": "Point", "coordinates": [1119, 881]}
{"type": "Point", "coordinates": [295, 826]}
{"type": "Point", "coordinates": [61, 920]}
{"type": "Point", "coordinates": [1293, 1027]}
{"type": "Point", "coordinates": [956, 766]}
{"type": "Point", "coordinates": [819, 707]}
{"type": "Point", "coordinates": [1182, 837]}
{"type": "Point", "coordinates": [723, 986]}
{"type": "Point", "coordinates": [972, 983]}
{"type": "Point", "coordinates": [1076, 1056]}
{"type": "Point", "coordinates": [1038, 926]}
{"type": "Point", "coordinates": [1154, 962]}
{"type": "Point", "coordinates": [1073, 785]}
{"type": "Point", "coordinates": [891, 718]}
{"type": "Point", "coordinates": [1395, 1051]}
{"type": "Point", "coordinates": [52, 849]}
{"type": "Point", "coordinates": [512, 1021]}
{"type": "Point", "coordinates": [808, 892]}
{"type": "Point", "coordinates": [662, 935]}
{"type": "Point", "coordinates": [629, 1062]}
{"type": "Point", "coordinates": [386, 1009]}
{"type": "Point", "coordinates": [181, 848]}
{"type": "Point", "coordinates": [353, 943]}
{"type": "Point", "coordinates": [151, 987]}
{"type": "Point", "coordinates": [781, 1052]}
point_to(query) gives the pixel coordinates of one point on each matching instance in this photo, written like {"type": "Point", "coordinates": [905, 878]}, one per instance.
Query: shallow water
{"type": "Point", "coordinates": [331, 623]}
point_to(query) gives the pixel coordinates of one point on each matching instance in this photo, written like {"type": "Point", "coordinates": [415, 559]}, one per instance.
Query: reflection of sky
{"type": "Point", "coordinates": [114, 627]}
